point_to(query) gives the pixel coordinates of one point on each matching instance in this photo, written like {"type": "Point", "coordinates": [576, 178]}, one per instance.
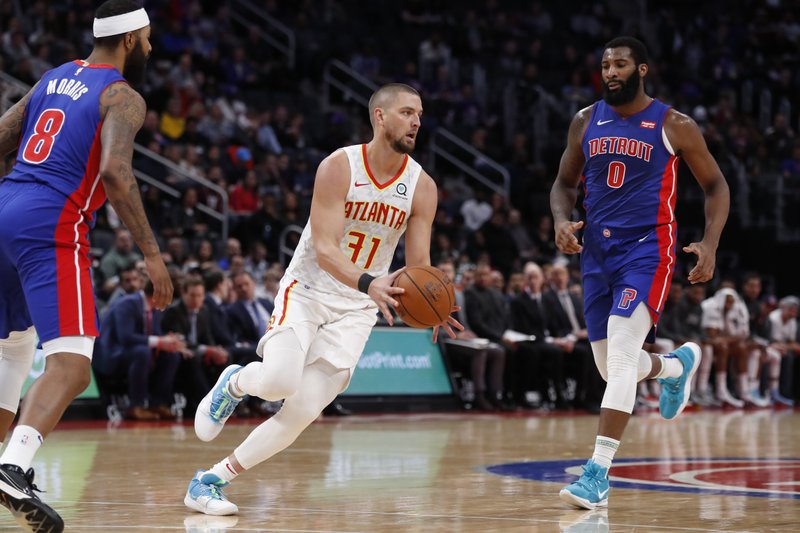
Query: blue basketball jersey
{"type": "Point", "coordinates": [60, 143]}
{"type": "Point", "coordinates": [629, 240]}
{"type": "Point", "coordinates": [629, 176]}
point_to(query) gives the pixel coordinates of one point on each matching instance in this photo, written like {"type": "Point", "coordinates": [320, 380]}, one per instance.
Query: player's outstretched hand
{"type": "Point", "coordinates": [566, 240]}
{"type": "Point", "coordinates": [382, 292]}
{"type": "Point", "coordinates": [162, 284]}
{"type": "Point", "coordinates": [449, 325]}
{"type": "Point", "coordinates": [706, 261]}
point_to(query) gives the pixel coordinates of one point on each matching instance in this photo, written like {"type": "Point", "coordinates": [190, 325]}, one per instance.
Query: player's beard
{"type": "Point", "coordinates": [136, 65]}
{"type": "Point", "coordinates": [400, 145]}
{"type": "Point", "coordinates": [626, 93]}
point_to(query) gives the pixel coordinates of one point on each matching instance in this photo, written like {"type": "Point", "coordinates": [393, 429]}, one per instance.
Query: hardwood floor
{"type": "Point", "coordinates": [706, 471]}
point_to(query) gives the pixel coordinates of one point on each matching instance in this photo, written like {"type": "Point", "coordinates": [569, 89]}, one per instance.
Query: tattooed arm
{"type": "Point", "coordinates": [11, 125]}
{"type": "Point", "coordinates": [123, 111]}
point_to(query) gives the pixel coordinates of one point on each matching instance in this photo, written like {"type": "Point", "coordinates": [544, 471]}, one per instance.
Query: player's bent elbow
{"type": "Point", "coordinates": [326, 256]}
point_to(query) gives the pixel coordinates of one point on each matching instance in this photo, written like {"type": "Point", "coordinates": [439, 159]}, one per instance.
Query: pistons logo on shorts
{"type": "Point", "coordinates": [628, 295]}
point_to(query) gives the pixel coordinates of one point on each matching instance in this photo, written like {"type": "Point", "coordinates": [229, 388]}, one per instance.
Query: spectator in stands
{"type": "Point", "coordinates": [486, 360]}
{"type": "Point", "coordinates": [476, 211]}
{"type": "Point", "coordinates": [545, 365]}
{"type": "Point", "coordinates": [758, 308]}
{"type": "Point", "coordinates": [130, 282]}
{"type": "Point", "coordinates": [173, 123]}
{"type": "Point", "coordinates": [544, 240]}
{"type": "Point", "coordinates": [265, 225]}
{"type": "Point", "coordinates": [256, 262]}
{"type": "Point", "coordinates": [568, 326]}
{"type": "Point", "coordinates": [249, 315]}
{"type": "Point", "coordinates": [244, 197]}
{"type": "Point", "coordinates": [215, 126]}
{"type": "Point", "coordinates": [233, 248]}
{"type": "Point", "coordinates": [265, 134]}
{"type": "Point", "coordinates": [177, 250]}
{"type": "Point", "coordinates": [272, 278]}
{"type": "Point", "coordinates": [499, 243]}
{"type": "Point", "coordinates": [217, 288]}
{"type": "Point", "coordinates": [783, 344]}
{"type": "Point", "coordinates": [120, 256]}
{"type": "Point", "coordinates": [489, 316]}
{"type": "Point", "coordinates": [203, 359]}
{"type": "Point", "coordinates": [204, 253]}
{"type": "Point", "coordinates": [186, 220]}
{"type": "Point", "coordinates": [521, 236]}
{"type": "Point", "coordinates": [132, 344]}
{"type": "Point", "coordinates": [726, 325]}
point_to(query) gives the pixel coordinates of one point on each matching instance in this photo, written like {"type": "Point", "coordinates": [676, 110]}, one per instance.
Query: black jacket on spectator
{"type": "Point", "coordinates": [219, 322]}
{"type": "Point", "coordinates": [176, 320]}
{"type": "Point", "coordinates": [488, 312]}
{"type": "Point", "coordinates": [560, 325]}
{"type": "Point", "coordinates": [529, 317]}
{"type": "Point", "coordinates": [194, 377]}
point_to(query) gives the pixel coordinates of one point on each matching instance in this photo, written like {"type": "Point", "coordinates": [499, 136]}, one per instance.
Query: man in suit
{"type": "Point", "coordinates": [567, 323]}
{"type": "Point", "coordinates": [530, 316]}
{"type": "Point", "coordinates": [218, 287]}
{"type": "Point", "coordinates": [249, 316]}
{"type": "Point", "coordinates": [203, 358]}
{"type": "Point", "coordinates": [131, 343]}
{"type": "Point", "coordinates": [489, 315]}
{"type": "Point", "coordinates": [487, 360]}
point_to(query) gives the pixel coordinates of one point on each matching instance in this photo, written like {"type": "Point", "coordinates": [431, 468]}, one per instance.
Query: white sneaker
{"type": "Point", "coordinates": [205, 495]}
{"type": "Point", "coordinates": [725, 397]}
{"type": "Point", "coordinates": [755, 399]}
{"type": "Point", "coordinates": [216, 407]}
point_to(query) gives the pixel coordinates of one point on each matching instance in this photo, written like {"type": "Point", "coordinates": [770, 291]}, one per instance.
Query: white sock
{"type": "Point", "coordinates": [604, 450]}
{"type": "Point", "coordinates": [224, 470]}
{"type": "Point", "coordinates": [671, 366]}
{"type": "Point", "coordinates": [722, 383]}
{"type": "Point", "coordinates": [233, 388]}
{"type": "Point", "coordinates": [22, 446]}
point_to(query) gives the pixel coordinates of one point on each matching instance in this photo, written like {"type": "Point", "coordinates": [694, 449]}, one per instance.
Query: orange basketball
{"type": "Point", "coordinates": [428, 299]}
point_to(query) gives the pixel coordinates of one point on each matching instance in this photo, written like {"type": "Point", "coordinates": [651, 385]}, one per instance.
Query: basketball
{"type": "Point", "coordinates": [428, 299]}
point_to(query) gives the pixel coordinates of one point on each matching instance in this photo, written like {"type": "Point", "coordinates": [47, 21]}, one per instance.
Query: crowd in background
{"type": "Point", "coordinates": [224, 106]}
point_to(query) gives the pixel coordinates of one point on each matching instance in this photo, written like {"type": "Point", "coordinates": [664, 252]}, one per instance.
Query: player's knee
{"type": "Point", "coordinates": [280, 373]}
{"type": "Point", "coordinates": [73, 370]}
{"type": "Point", "coordinates": [273, 390]}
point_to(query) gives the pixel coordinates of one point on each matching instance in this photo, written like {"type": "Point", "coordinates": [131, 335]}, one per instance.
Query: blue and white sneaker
{"type": "Point", "coordinates": [778, 399]}
{"type": "Point", "coordinates": [217, 406]}
{"type": "Point", "coordinates": [675, 392]}
{"type": "Point", "coordinates": [205, 495]}
{"type": "Point", "coordinates": [590, 491]}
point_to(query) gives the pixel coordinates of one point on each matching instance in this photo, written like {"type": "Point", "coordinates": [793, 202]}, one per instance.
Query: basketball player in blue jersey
{"type": "Point", "coordinates": [73, 133]}
{"type": "Point", "coordinates": [624, 150]}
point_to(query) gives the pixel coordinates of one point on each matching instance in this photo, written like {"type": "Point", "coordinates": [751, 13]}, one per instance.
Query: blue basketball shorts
{"type": "Point", "coordinates": [45, 278]}
{"type": "Point", "coordinates": [623, 267]}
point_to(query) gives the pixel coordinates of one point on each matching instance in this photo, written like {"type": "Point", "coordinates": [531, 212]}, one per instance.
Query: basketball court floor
{"type": "Point", "coordinates": [706, 471]}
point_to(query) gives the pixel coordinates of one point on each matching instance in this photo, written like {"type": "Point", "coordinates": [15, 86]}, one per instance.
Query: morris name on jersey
{"type": "Point", "coordinates": [68, 87]}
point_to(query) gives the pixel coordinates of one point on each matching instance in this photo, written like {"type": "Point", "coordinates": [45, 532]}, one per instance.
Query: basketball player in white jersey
{"type": "Point", "coordinates": [365, 198]}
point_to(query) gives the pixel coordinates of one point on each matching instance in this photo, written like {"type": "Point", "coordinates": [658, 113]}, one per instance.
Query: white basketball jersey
{"type": "Point", "coordinates": [375, 218]}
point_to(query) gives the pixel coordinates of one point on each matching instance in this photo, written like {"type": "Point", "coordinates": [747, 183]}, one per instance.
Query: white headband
{"type": "Point", "coordinates": [135, 20]}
